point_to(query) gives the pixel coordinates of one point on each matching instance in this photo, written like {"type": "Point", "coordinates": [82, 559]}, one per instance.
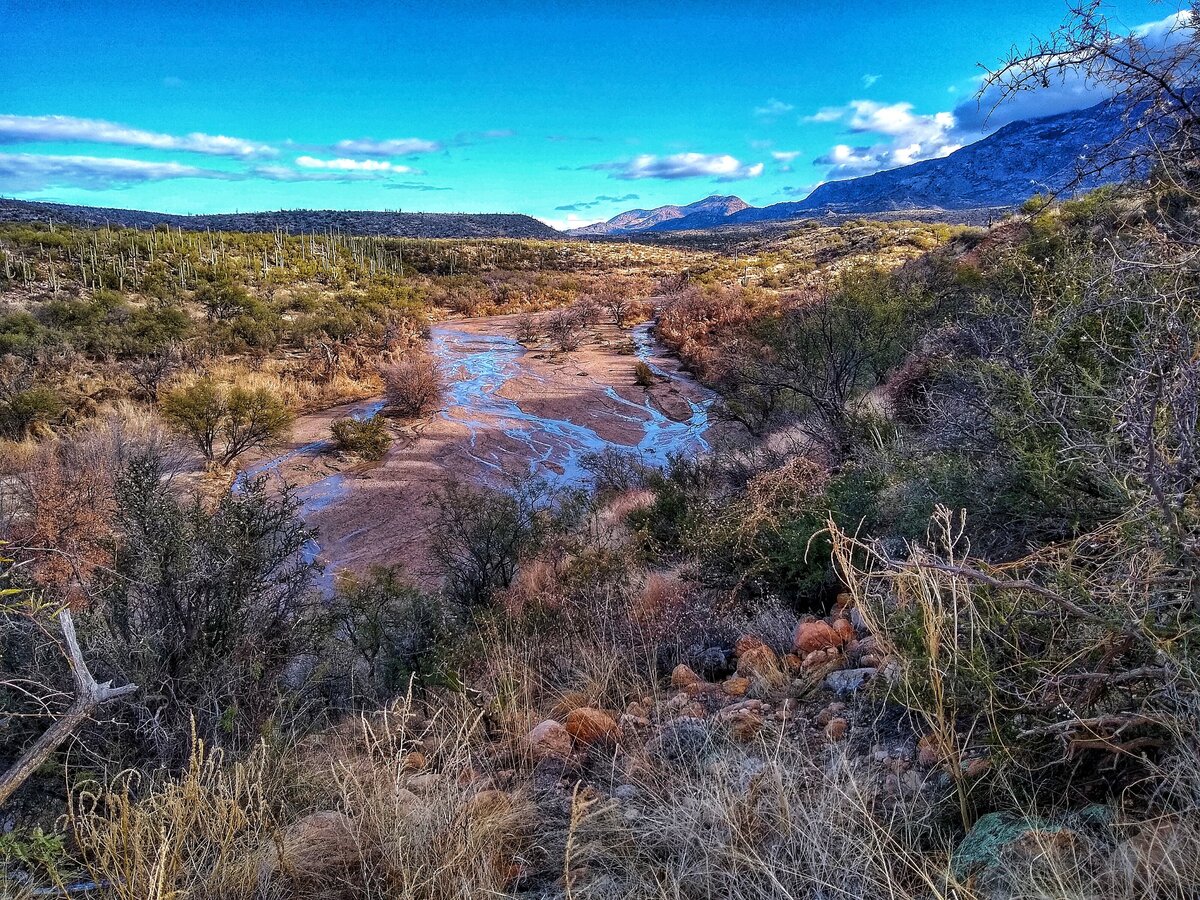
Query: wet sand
{"type": "Point", "coordinates": [507, 411]}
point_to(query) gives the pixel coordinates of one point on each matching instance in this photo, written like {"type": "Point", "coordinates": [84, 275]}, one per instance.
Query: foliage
{"type": "Point", "coordinates": [225, 422]}
{"type": "Point", "coordinates": [480, 536]}
{"type": "Point", "coordinates": [390, 629]}
{"type": "Point", "coordinates": [206, 608]}
{"type": "Point", "coordinates": [369, 438]}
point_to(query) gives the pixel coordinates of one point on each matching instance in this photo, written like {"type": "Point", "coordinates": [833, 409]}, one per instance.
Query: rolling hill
{"type": "Point", "coordinates": [296, 221]}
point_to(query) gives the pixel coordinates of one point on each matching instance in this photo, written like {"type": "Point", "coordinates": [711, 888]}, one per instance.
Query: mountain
{"type": "Point", "coordinates": [297, 221]}
{"type": "Point", "coordinates": [704, 213]}
{"type": "Point", "coordinates": [1001, 170]}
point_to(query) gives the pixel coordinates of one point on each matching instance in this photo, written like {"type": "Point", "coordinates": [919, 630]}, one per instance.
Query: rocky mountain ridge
{"type": "Point", "coordinates": [1000, 171]}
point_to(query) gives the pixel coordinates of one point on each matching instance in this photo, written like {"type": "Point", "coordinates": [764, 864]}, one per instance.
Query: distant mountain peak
{"type": "Point", "coordinates": [711, 210]}
{"type": "Point", "coordinates": [1001, 170]}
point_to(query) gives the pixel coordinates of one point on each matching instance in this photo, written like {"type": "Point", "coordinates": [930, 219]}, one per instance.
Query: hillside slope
{"type": "Point", "coordinates": [999, 172]}
{"type": "Point", "coordinates": [710, 211]}
{"type": "Point", "coordinates": [1003, 169]}
{"type": "Point", "coordinates": [296, 221]}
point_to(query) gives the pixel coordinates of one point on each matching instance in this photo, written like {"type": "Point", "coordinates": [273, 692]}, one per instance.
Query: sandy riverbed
{"type": "Point", "coordinates": [508, 410]}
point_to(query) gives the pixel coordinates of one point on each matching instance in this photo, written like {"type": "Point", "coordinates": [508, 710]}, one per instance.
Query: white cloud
{"type": "Point", "coordinates": [21, 172]}
{"type": "Point", "coordinates": [572, 220]}
{"type": "Point", "coordinates": [826, 114]}
{"type": "Point", "coordinates": [785, 158]}
{"type": "Point", "coordinates": [373, 166]}
{"type": "Point", "coordinates": [869, 80]}
{"type": "Point", "coordinates": [61, 129]}
{"type": "Point", "coordinates": [390, 147]}
{"type": "Point", "coordinates": [720, 167]}
{"type": "Point", "coordinates": [773, 109]}
{"type": "Point", "coordinates": [912, 137]}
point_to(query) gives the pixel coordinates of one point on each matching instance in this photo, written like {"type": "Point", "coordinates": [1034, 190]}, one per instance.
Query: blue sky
{"type": "Point", "coordinates": [568, 111]}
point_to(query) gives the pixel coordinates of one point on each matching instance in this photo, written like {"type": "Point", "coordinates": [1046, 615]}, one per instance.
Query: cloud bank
{"type": "Point", "coordinates": [68, 129]}
{"type": "Point", "coordinates": [719, 167]}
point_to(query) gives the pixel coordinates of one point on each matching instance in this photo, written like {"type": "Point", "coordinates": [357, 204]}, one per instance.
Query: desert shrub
{"type": "Point", "coordinates": [23, 412]}
{"type": "Point", "coordinates": [643, 375]}
{"type": "Point", "coordinates": [1082, 639]}
{"type": "Point", "coordinates": [369, 438]}
{"type": "Point", "coordinates": [225, 422]}
{"type": "Point", "coordinates": [206, 608]}
{"type": "Point", "coordinates": [389, 629]}
{"type": "Point", "coordinates": [480, 536]}
{"type": "Point", "coordinates": [565, 328]}
{"type": "Point", "coordinates": [21, 334]}
{"type": "Point", "coordinates": [526, 329]}
{"type": "Point", "coordinates": [414, 385]}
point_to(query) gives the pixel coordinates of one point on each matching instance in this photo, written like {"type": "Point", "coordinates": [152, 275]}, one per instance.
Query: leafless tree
{"type": "Point", "coordinates": [414, 385]}
{"type": "Point", "coordinates": [565, 330]}
{"type": "Point", "coordinates": [525, 328]}
{"type": "Point", "coordinates": [150, 372]}
{"type": "Point", "coordinates": [1151, 76]}
{"type": "Point", "coordinates": [89, 695]}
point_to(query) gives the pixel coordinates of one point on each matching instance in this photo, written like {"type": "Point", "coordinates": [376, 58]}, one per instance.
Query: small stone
{"type": "Point", "coordinates": [815, 659]}
{"type": "Point", "coordinates": [684, 742]}
{"type": "Point", "coordinates": [760, 661]}
{"type": "Point", "coordinates": [745, 725]}
{"type": "Point", "coordinates": [747, 643]}
{"type": "Point", "coordinates": [977, 766]}
{"type": "Point", "coordinates": [848, 681]}
{"type": "Point", "coordinates": [414, 761]}
{"type": "Point", "coordinates": [625, 792]}
{"type": "Point", "coordinates": [425, 782]}
{"type": "Point", "coordinates": [836, 729]}
{"type": "Point", "coordinates": [683, 675]}
{"type": "Point", "coordinates": [487, 804]}
{"type": "Point", "coordinates": [927, 751]}
{"type": "Point", "coordinates": [792, 663]}
{"type": "Point", "coordinates": [845, 631]}
{"type": "Point", "coordinates": [636, 710]}
{"type": "Point", "coordinates": [694, 710]}
{"type": "Point", "coordinates": [736, 686]}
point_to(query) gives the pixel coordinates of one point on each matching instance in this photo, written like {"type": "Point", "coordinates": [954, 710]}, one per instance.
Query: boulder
{"type": "Point", "coordinates": [550, 740]}
{"type": "Point", "coordinates": [845, 631]}
{"type": "Point", "coordinates": [759, 661]}
{"type": "Point", "coordinates": [686, 743]}
{"type": "Point", "coordinates": [683, 676]}
{"type": "Point", "coordinates": [588, 725]}
{"type": "Point", "coordinates": [314, 854]}
{"type": "Point", "coordinates": [837, 729]}
{"type": "Point", "coordinates": [746, 643]}
{"type": "Point", "coordinates": [848, 681]}
{"type": "Point", "coordinates": [815, 635]}
{"type": "Point", "coordinates": [736, 686]}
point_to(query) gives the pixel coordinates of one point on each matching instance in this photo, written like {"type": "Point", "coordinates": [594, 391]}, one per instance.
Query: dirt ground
{"type": "Point", "coordinates": [370, 514]}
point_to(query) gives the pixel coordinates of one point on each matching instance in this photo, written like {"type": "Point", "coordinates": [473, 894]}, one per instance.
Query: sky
{"type": "Point", "coordinates": [568, 111]}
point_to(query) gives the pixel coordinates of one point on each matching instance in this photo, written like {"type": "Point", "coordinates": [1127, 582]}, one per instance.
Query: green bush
{"type": "Point", "coordinates": [223, 422]}
{"type": "Point", "coordinates": [369, 438]}
{"type": "Point", "coordinates": [24, 411]}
